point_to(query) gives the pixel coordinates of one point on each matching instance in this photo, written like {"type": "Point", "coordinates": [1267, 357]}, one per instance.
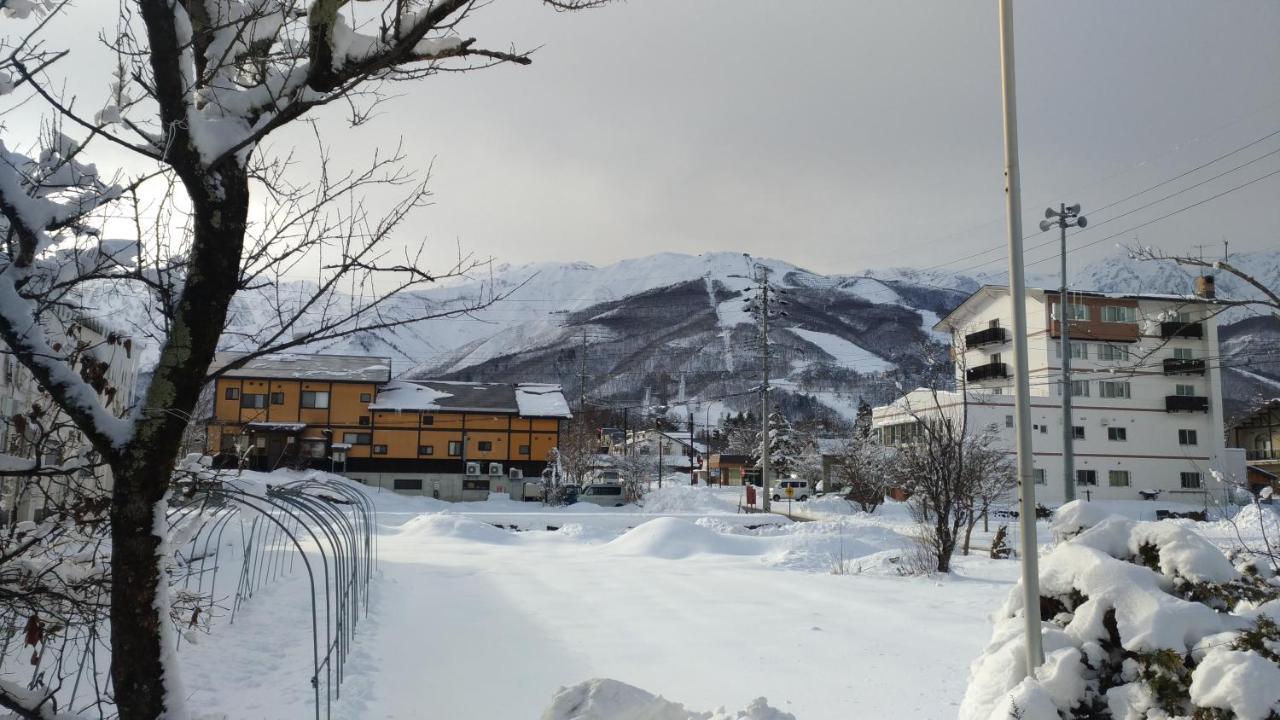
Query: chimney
{"type": "Point", "coordinates": [1204, 287]}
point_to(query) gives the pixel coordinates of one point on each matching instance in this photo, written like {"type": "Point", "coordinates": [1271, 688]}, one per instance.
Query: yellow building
{"type": "Point", "coordinates": [453, 440]}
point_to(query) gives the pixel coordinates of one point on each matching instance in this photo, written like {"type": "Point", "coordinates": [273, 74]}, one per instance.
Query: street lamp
{"type": "Point", "coordinates": [1064, 217]}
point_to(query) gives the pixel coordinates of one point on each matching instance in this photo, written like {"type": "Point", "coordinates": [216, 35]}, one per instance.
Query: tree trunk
{"type": "Point", "coordinates": [968, 533]}
{"type": "Point", "coordinates": [143, 467]}
{"type": "Point", "coordinates": [137, 670]}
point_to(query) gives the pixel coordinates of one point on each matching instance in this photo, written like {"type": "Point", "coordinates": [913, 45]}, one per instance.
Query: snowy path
{"type": "Point", "coordinates": [473, 622]}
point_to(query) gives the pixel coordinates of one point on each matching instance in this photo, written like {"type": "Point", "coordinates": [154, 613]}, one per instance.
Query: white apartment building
{"type": "Point", "coordinates": [20, 498]}
{"type": "Point", "coordinates": [1145, 383]}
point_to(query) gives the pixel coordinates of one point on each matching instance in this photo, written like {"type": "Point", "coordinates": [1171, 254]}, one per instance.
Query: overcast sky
{"type": "Point", "coordinates": [840, 135]}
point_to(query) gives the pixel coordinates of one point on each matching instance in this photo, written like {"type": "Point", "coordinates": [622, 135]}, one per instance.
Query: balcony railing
{"type": "Point", "coordinates": [1186, 403]}
{"type": "Point", "coordinates": [1182, 366]}
{"type": "Point", "coordinates": [987, 372]}
{"type": "Point", "coordinates": [1177, 329]}
{"type": "Point", "coordinates": [990, 336]}
{"type": "Point", "coordinates": [1262, 454]}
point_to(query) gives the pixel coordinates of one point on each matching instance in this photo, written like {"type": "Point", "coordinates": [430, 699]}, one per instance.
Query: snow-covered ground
{"type": "Point", "coordinates": [684, 598]}
{"type": "Point", "coordinates": [469, 620]}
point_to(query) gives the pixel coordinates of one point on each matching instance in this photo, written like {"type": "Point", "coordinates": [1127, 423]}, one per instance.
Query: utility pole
{"type": "Point", "coordinates": [582, 376]}
{"type": "Point", "coordinates": [762, 307]}
{"type": "Point", "coordinates": [1065, 217]}
{"type": "Point", "coordinates": [691, 431]}
{"type": "Point", "coordinates": [1022, 384]}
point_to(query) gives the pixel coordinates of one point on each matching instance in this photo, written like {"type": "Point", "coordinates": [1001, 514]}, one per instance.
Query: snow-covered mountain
{"type": "Point", "coordinates": [672, 327]}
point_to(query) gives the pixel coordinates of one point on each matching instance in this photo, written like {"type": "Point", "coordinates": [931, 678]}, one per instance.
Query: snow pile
{"type": "Point", "coordinates": [455, 527]}
{"type": "Point", "coordinates": [675, 538]}
{"type": "Point", "coordinates": [688, 499]}
{"type": "Point", "coordinates": [1140, 620]}
{"type": "Point", "coordinates": [605, 699]}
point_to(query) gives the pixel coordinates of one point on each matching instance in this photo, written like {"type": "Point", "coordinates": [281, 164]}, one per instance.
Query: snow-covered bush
{"type": "Point", "coordinates": [1141, 620]}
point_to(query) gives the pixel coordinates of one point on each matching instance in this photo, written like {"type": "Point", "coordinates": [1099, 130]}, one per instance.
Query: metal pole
{"type": "Point", "coordinates": [1064, 324]}
{"type": "Point", "coordinates": [1022, 385]}
{"type": "Point", "coordinates": [764, 390]}
{"type": "Point", "coordinates": [691, 432]}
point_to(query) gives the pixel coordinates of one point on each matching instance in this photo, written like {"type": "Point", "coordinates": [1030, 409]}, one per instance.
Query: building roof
{"type": "Point", "coordinates": [992, 291]}
{"type": "Point", "coordinates": [296, 366]}
{"type": "Point", "coordinates": [525, 399]}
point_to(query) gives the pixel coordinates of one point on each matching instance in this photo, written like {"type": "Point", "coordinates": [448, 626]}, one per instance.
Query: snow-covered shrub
{"type": "Point", "coordinates": [1141, 620]}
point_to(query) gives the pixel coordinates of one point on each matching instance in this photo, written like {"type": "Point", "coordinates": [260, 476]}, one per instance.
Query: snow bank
{"type": "Point", "coordinates": [1141, 616]}
{"type": "Point", "coordinates": [686, 499]}
{"type": "Point", "coordinates": [604, 699]}
{"type": "Point", "coordinates": [676, 538]}
{"type": "Point", "coordinates": [456, 527]}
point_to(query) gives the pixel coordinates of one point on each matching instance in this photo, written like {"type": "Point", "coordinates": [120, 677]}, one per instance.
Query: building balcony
{"type": "Point", "coordinates": [1261, 455]}
{"type": "Point", "coordinates": [990, 336]}
{"type": "Point", "coordinates": [1180, 366]}
{"type": "Point", "coordinates": [990, 371]}
{"type": "Point", "coordinates": [1186, 403]}
{"type": "Point", "coordinates": [1177, 329]}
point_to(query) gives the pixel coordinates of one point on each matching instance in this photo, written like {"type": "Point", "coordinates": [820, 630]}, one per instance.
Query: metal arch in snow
{"type": "Point", "coordinates": [301, 518]}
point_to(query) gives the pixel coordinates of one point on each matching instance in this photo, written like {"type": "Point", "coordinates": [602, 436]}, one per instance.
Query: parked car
{"type": "Point", "coordinates": [800, 490]}
{"type": "Point", "coordinates": [603, 494]}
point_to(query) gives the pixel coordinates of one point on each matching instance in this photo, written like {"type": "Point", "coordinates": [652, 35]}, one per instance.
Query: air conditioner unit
{"type": "Point", "coordinates": [515, 474]}
{"type": "Point", "coordinates": [495, 468]}
{"type": "Point", "coordinates": [473, 468]}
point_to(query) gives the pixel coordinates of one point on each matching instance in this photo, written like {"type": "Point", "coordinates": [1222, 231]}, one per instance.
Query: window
{"type": "Point", "coordinates": [364, 420]}
{"type": "Point", "coordinates": [1186, 390]}
{"type": "Point", "coordinates": [1118, 478]}
{"type": "Point", "coordinates": [1182, 353]}
{"type": "Point", "coordinates": [277, 398]}
{"type": "Point", "coordinates": [1008, 421]}
{"type": "Point", "coordinates": [379, 449]}
{"type": "Point", "coordinates": [1117, 434]}
{"type": "Point", "coordinates": [1077, 432]}
{"type": "Point", "coordinates": [486, 446]}
{"type": "Point", "coordinates": [1087, 477]}
{"type": "Point", "coordinates": [312, 399]}
{"type": "Point", "coordinates": [1187, 437]}
{"type": "Point", "coordinates": [357, 438]}
{"type": "Point", "coordinates": [1044, 429]}
{"type": "Point", "coordinates": [1075, 311]}
{"type": "Point", "coordinates": [1039, 476]}
{"type": "Point", "coordinates": [1113, 352]}
{"type": "Point", "coordinates": [1184, 318]}
{"type": "Point", "coordinates": [524, 450]}
{"type": "Point", "coordinates": [1079, 350]}
{"type": "Point", "coordinates": [1079, 388]}
{"type": "Point", "coordinates": [233, 393]}
{"type": "Point", "coordinates": [368, 397]}
{"type": "Point", "coordinates": [1113, 389]}
{"type": "Point", "coordinates": [1116, 314]}
{"type": "Point", "coordinates": [993, 323]}
{"type": "Point", "coordinates": [253, 400]}
{"type": "Point", "coordinates": [475, 484]}
{"type": "Point", "coordinates": [426, 449]}
{"type": "Point", "coordinates": [455, 447]}
{"type": "Point", "coordinates": [1190, 481]}
{"type": "Point", "coordinates": [407, 484]}
{"type": "Point", "coordinates": [428, 419]}
{"type": "Point", "coordinates": [995, 359]}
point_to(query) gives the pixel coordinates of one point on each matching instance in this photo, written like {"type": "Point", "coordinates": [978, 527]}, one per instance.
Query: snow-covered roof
{"type": "Point", "coordinates": [525, 399]}
{"type": "Point", "coordinates": [297, 366]}
{"type": "Point", "coordinates": [993, 291]}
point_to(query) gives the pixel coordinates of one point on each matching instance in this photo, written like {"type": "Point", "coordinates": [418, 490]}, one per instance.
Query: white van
{"type": "Point", "coordinates": [603, 494]}
{"type": "Point", "coordinates": [799, 490]}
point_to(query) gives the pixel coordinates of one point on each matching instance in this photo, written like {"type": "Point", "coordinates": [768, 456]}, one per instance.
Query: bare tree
{"type": "Point", "coordinates": [862, 471]}
{"type": "Point", "coordinates": [198, 86]}
{"type": "Point", "coordinates": [1267, 298]}
{"type": "Point", "coordinates": [943, 465]}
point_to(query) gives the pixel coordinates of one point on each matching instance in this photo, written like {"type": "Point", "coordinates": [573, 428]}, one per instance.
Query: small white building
{"type": "Point", "coordinates": [675, 448]}
{"type": "Point", "coordinates": [21, 497]}
{"type": "Point", "coordinates": [1145, 383]}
